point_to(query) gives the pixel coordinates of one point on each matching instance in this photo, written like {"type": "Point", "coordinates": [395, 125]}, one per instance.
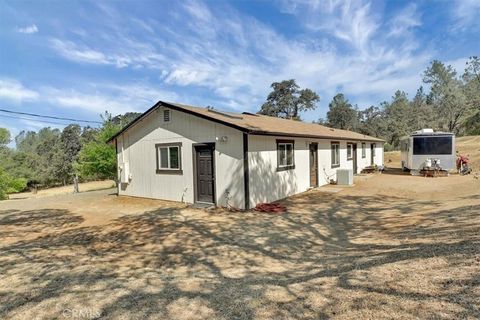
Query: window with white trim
{"type": "Point", "coordinates": [364, 152]}
{"type": "Point", "coordinates": [349, 151]}
{"type": "Point", "coordinates": [169, 158]}
{"type": "Point", "coordinates": [335, 154]}
{"type": "Point", "coordinates": [285, 155]}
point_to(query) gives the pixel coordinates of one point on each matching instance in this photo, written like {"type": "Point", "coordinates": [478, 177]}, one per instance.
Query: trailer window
{"type": "Point", "coordinates": [432, 145]}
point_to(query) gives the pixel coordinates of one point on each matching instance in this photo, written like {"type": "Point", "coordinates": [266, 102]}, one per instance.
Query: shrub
{"type": "Point", "coordinates": [388, 147]}
{"type": "Point", "coordinates": [10, 185]}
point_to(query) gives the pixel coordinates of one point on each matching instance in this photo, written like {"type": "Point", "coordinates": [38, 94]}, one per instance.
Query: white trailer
{"type": "Point", "coordinates": [426, 147]}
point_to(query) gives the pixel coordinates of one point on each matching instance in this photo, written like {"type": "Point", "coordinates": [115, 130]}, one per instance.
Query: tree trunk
{"type": "Point", "coordinates": [75, 184]}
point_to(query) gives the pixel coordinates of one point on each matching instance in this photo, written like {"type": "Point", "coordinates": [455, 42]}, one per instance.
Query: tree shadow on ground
{"type": "Point", "coordinates": [329, 256]}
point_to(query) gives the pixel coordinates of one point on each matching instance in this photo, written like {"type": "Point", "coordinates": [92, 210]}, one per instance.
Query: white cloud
{"type": "Point", "coordinates": [240, 72]}
{"type": "Point", "coordinates": [71, 51]}
{"type": "Point", "coordinates": [13, 90]}
{"type": "Point", "coordinates": [350, 20]}
{"type": "Point", "coordinates": [111, 97]}
{"type": "Point", "coordinates": [33, 125]}
{"type": "Point", "coordinates": [94, 98]}
{"type": "Point", "coordinates": [198, 10]}
{"type": "Point", "coordinates": [28, 29]}
{"type": "Point", "coordinates": [346, 45]}
{"type": "Point", "coordinates": [132, 53]}
{"type": "Point", "coordinates": [466, 13]}
{"type": "Point", "coordinates": [458, 64]}
{"type": "Point", "coordinates": [407, 19]}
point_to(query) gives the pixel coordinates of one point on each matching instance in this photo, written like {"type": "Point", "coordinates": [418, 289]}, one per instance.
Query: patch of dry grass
{"type": "Point", "coordinates": [83, 187]}
{"type": "Point", "coordinates": [391, 247]}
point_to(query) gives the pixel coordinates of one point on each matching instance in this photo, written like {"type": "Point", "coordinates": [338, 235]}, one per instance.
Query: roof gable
{"type": "Point", "coordinates": [258, 124]}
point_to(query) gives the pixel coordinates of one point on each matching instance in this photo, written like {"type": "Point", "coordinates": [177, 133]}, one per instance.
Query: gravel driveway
{"type": "Point", "coordinates": [393, 246]}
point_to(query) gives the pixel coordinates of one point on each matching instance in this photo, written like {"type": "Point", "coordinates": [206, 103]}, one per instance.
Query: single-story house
{"type": "Point", "coordinates": [201, 155]}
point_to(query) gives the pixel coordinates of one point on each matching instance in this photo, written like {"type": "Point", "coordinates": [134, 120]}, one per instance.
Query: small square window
{"type": "Point", "coordinates": [169, 159]}
{"type": "Point", "coordinates": [166, 115]}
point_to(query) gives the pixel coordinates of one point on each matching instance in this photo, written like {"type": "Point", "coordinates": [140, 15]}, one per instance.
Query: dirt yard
{"type": "Point", "coordinates": [83, 187]}
{"type": "Point", "coordinates": [393, 246]}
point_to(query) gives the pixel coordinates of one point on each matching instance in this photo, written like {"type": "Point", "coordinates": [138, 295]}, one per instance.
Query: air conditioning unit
{"type": "Point", "coordinates": [345, 177]}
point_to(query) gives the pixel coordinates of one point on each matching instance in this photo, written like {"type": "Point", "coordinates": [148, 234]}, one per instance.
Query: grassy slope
{"type": "Point", "coordinates": [469, 145]}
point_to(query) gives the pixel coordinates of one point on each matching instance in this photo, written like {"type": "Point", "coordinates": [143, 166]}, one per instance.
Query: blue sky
{"type": "Point", "coordinates": [80, 58]}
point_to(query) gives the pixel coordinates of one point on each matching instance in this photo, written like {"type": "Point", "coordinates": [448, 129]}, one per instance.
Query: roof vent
{"type": "Point", "coordinates": [228, 115]}
{"type": "Point", "coordinates": [251, 114]}
{"type": "Point", "coordinates": [166, 115]}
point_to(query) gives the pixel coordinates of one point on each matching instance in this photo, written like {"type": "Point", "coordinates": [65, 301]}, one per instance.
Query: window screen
{"type": "Point", "coordinates": [335, 154]}
{"type": "Point", "coordinates": [164, 158]}
{"type": "Point", "coordinates": [285, 154]}
{"type": "Point", "coordinates": [174, 157]}
{"type": "Point", "coordinates": [285, 151]}
{"type": "Point", "coordinates": [349, 151]}
{"type": "Point", "coordinates": [432, 145]}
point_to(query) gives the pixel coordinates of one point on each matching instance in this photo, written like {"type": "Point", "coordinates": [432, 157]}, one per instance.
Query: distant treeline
{"type": "Point", "coordinates": [53, 157]}
{"type": "Point", "coordinates": [451, 104]}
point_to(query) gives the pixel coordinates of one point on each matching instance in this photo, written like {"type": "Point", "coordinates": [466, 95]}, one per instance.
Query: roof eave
{"type": "Point", "coordinates": [238, 127]}
{"type": "Point", "coordinates": [312, 136]}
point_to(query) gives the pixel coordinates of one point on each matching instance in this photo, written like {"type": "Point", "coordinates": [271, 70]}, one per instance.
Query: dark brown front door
{"type": "Point", "coordinates": [354, 150]}
{"type": "Point", "coordinates": [313, 165]}
{"type": "Point", "coordinates": [205, 178]}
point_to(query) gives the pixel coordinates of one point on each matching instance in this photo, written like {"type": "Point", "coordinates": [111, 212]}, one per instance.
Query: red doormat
{"type": "Point", "coordinates": [270, 208]}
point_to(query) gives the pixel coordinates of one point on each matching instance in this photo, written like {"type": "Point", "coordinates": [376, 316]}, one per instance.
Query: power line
{"type": "Point", "coordinates": [50, 117]}
{"type": "Point", "coordinates": [35, 120]}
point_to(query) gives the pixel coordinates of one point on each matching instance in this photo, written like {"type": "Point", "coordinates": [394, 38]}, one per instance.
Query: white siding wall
{"type": "Point", "coordinates": [138, 145]}
{"type": "Point", "coordinates": [267, 185]}
{"type": "Point", "coordinates": [379, 154]}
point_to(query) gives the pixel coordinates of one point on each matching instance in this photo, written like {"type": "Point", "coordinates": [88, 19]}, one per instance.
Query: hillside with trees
{"type": "Point", "coordinates": [52, 157]}
{"type": "Point", "coordinates": [451, 103]}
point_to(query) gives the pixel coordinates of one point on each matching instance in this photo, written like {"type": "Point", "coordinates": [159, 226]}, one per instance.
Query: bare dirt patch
{"type": "Point", "coordinates": [393, 246]}
{"type": "Point", "coordinates": [83, 187]}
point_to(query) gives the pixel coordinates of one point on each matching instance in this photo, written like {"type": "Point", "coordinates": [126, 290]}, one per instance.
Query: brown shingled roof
{"type": "Point", "coordinates": [260, 124]}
